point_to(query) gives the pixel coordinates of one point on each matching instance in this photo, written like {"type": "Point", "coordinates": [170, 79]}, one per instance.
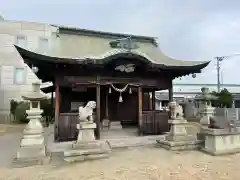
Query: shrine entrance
{"type": "Point", "coordinates": [123, 106]}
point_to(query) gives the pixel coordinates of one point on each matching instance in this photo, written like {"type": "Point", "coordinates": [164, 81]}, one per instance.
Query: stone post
{"type": "Point", "coordinates": [32, 147]}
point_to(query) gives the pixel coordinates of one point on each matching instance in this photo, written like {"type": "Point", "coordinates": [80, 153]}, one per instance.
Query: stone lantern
{"type": "Point", "coordinates": [32, 148]}
{"type": "Point", "coordinates": [206, 109]}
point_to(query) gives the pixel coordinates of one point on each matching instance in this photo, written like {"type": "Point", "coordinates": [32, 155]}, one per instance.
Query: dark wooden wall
{"type": "Point", "coordinates": [67, 96]}
{"type": "Point", "coordinates": [127, 111]}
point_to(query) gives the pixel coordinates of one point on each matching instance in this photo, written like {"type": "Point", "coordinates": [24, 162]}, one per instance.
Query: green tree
{"type": "Point", "coordinates": [225, 99]}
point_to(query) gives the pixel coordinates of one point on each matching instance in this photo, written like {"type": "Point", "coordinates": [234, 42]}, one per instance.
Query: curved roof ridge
{"type": "Point", "coordinates": [75, 30]}
{"type": "Point", "coordinates": [157, 59]}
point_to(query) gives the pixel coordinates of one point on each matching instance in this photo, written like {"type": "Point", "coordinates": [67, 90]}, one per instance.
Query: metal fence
{"type": "Point", "coordinates": [228, 113]}
{"type": "Point", "coordinates": [223, 113]}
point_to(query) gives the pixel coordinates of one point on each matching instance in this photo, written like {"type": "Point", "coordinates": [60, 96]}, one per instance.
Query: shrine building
{"type": "Point", "coordinates": [118, 71]}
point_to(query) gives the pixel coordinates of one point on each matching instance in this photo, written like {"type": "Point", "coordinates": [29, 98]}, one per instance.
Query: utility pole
{"type": "Point", "coordinates": [218, 68]}
{"type": "Point", "coordinates": [218, 72]}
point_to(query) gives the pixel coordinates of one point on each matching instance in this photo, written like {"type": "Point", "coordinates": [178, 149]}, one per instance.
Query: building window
{"type": "Point", "coordinates": [19, 76]}
{"type": "Point", "coordinates": [21, 41]}
{"type": "Point", "coordinates": [43, 44]}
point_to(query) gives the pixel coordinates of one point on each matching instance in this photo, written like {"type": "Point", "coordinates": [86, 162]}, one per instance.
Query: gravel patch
{"type": "Point", "coordinates": [142, 163]}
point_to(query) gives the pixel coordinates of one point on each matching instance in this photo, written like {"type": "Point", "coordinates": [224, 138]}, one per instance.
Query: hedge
{"type": "Point", "coordinates": [18, 110]}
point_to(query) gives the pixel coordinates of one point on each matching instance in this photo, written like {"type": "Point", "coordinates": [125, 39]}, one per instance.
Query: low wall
{"type": "Point", "coordinates": [221, 141]}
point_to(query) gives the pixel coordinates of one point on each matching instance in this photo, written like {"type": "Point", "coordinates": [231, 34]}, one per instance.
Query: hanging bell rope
{"type": "Point", "coordinates": [119, 90]}
{"type": "Point", "coordinates": [130, 90]}
{"type": "Point", "coordinates": [120, 98]}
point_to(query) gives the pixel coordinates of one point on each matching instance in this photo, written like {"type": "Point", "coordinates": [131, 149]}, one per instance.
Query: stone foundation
{"type": "Point", "coordinates": [33, 161]}
{"type": "Point", "coordinates": [86, 147]}
{"type": "Point", "coordinates": [180, 145]}
{"type": "Point", "coordinates": [220, 141]}
{"type": "Point", "coordinates": [32, 149]}
{"type": "Point", "coordinates": [114, 125]}
{"type": "Point", "coordinates": [177, 139]}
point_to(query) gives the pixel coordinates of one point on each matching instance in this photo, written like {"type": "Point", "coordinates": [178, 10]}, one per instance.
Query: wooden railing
{"type": "Point", "coordinates": [154, 122]}
{"type": "Point", "coordinates": [67, 130]}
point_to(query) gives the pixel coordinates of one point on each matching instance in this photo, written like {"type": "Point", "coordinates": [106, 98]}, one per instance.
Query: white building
{"type": "Point", "coordinates": [189, 91]}
{"type": "Point", "coordinates": [16, 77]}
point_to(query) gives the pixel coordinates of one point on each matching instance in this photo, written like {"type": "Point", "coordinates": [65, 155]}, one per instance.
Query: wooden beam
{"type": "Point", "coordinates": [98, 111]}
{"type": "Point", "coordinates": [140, 109]}
{"type": "Point", "coordinates": [160, 83]}
{"type": "Point", "coordinates": [57, 107]}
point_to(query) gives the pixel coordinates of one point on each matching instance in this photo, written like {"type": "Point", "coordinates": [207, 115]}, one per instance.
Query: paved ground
{"type": "Point", "coordinates": [11, 128]}
{"type": "Point", "coordinates": [8, 148]}
{"type": "Point", "coordinates": [138, 163]}
{"type": "Point", "coordinates": [148, 163]}
{"type": "Point", "coordinates": [9, 142]}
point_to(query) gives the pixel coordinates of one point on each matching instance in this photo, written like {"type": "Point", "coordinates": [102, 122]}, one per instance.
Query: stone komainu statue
{"type": "Point", "coordinates": [86, 113]}
{"type": "Point", "coordinates": [176, 110]}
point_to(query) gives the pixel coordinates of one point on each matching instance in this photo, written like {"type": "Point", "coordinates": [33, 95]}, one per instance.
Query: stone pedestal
{"type": "Point", "coordinates": [87, 147]}
{"type": "Point", "coordinates": [32, 149]}
{"type": "Point", "coordinates": [86, 131]}
{"type": "Point", "coordinates": [220, 141]}
{"type": "Point", "coordinates": [178, 139]}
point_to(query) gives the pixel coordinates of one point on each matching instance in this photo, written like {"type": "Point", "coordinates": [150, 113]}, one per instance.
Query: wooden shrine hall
{"type": "Point", "coordinates": [117, 71]}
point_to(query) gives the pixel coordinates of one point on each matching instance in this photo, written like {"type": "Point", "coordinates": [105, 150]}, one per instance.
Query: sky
{"type": "Point", "coordinates": [185, 29]}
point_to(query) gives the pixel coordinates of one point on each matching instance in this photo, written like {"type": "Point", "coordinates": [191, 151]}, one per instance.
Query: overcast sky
{"type": "Point", "coordinates": [186, 29]}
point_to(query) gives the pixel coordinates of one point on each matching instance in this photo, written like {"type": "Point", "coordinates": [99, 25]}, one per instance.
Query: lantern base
{"type": "Point", "coordinates": [32, 149]}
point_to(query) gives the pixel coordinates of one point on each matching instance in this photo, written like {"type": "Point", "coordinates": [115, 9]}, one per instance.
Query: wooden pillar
{"type": "Point", "coordinates": [106, 113]}
{"type": "Point", "coordinates": [153, 100]}
{"type": "Point", "coordinates": [52, 104]}
{"type": "Point", "coordinates": [140, 110]}
{"type": "Point", "coordinates": [170, 92]}
{"type": "Point", "coordinates": [98, 91]}
{"type": "Point", "coordinates": [57, 107]}
{"type": "Point", "coordinates": [150, 101]}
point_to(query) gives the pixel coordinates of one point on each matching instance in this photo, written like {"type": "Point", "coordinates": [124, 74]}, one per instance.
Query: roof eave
{"type": "Point", "coordinates": [35, 58]}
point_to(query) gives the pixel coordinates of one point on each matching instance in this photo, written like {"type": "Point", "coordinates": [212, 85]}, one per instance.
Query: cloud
{"type": "Point", "coordinates": [186, 29]}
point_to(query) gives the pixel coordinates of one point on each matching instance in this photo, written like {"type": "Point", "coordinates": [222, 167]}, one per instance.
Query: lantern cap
{"type": "Point", "coordinates": [205, 95]}
{"type": "Point", "coordinates": [35, 94]}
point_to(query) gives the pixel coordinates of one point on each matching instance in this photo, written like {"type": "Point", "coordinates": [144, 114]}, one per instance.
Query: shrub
{"type": "Point", "coordinates": [47, 110]}
{"type": "Point", "coordinates": [20, 112]}
{"type": "Point", "coordinates": [13, 106]}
